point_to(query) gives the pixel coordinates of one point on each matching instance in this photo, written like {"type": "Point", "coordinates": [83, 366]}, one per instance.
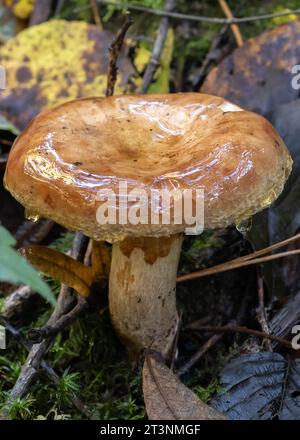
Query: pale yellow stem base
{"type": "Point", "coordinates": [142, 292]}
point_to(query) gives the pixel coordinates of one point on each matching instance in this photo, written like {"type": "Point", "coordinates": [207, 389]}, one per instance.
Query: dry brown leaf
{"type": "Point", "coordinates": [257, 76]}
{"type": "Point", "coordinates": [61, 267]}
{"type": "Point", "coordinates": [167, 398]}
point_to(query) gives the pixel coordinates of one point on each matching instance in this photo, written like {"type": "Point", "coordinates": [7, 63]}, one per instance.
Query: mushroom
{"type": "Point", "coordinates": [71, 153]}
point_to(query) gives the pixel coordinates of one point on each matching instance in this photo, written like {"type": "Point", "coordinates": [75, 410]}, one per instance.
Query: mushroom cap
{"type": "Point", "coordinates": [153, 142]}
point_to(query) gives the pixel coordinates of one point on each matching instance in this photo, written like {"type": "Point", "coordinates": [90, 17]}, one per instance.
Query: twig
{"type": "Point", "coordinates": [65, 302]}
{"type": "Point", "coordinates": [41, 12]}
{"type": "Point", "coordinates": [190, 17]}
{"type": "Point", "coordinates": [37, 335]}
{"type": "Point", "coordinates": [175, 343]}
{"type": "Point", "coordinates": [239, 329]}
{"type": "Point", "coordinates": [234, 264]}
{"type": "Point", "coordinates": [96, 14]}
{"type": "Point", "coordinates": [15, 303]}
{"type": "Point", "coordinates": [234, 27]}
{"type": "Point", "coordinates": [157, 48]}
{"type": "Point", "coordinates": [53, 376]}
{"type": "Point", "coordinates": [114, 52]}
{"type": "Point", "coordinates": [198, 355]}
{"type": "Point", "coordinates": [33, 232]}
{"type": "Point", "coordinates": [245, 260]}
{"type": "Point", "coordinates": [59, 6]}
{"type": "Point", "coordinates": [261, 312]}
{"type": "Point", "coordinates": [214, 56]}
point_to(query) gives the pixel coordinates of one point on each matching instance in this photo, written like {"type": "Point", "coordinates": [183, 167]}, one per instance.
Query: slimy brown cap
{"type": "Point", "coordinates": [152, 142]}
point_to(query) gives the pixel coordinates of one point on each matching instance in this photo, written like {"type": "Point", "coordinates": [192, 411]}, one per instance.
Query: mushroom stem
{"type": "Point", "coordinates": [142, 292]}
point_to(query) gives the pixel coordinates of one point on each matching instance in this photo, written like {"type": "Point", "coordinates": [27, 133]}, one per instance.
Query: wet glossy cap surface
{"type": "Point", "coordinates": [153, 142]}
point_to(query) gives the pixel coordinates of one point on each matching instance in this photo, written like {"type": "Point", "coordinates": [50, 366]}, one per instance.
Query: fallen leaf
{"type": "Point", "coordinates": [290, 407]}
{"type": "Point", "coordinates": [66, 269]}
{"type": "Point", "coordinates": [60, 267]}
{"type": "Point", "coordinates": [258, 75]}
{"type": "Point", "coordinates": [55, 62]}
{"type": "Point", "coordinates": [167, 398]}
{"type": "Point", "coordinates": [260, 386]}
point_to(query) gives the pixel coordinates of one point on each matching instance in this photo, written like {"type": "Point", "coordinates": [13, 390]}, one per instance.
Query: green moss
{"type": "Point", "coordinates": [206, 393]}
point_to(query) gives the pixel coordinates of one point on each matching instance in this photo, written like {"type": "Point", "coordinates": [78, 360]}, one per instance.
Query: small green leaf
{"type": "Point", "coordinates": [15, 269]}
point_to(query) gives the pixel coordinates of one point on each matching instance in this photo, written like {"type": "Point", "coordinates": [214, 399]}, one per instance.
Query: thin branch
{"type": "Point", "coordinates": [245, 260]}
{"type": "Point", "coordinates": [65, 303]}
{"type": "Point", "coordinates": [190, 17]}
{"type": "Point", "coordinates": [175, 343]}
{"type": "Point", "coordinates": [37, 335]}
{"type": "Point", "coordinates": [198, 355]}
{"type": "Point", "coordinates": [59, 6]}
{"type": "Point", "coordinates": [114, 52]}
{"type": "Point", "coordinates": [234, 27]}
{"type": "Point", "coordinates": [239, 329]}
{"type": "Point", "coordinates": [97, 17]}
{"type": "Point", "coordinates": [33, 232]}
{"type": "Point", "coordinates": [157, 48]}
{"type": "Point", "coordinates": [261, 312]}
{"type": "Point", "coordinates": [16, 302]}
{"type": "Point", "coordinates": [53, 376]}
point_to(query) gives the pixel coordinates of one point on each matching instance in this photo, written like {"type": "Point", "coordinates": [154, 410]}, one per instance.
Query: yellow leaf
{"type": "Point", "coordinates": [60, 267]}
{"type": "Point", "coordinates": [67, 270]}
{"type": "Point", "coordinates": [284, 18]}
{"type": "Point", "coordinates": [54, 62]}
{"type": "Point", "coordinates": [142, 58]}
{"type": "Point", "coordinates": [21, 8]}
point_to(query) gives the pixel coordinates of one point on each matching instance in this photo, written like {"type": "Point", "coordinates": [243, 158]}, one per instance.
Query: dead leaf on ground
{"type": "Point", "coordinates": [258, 75]}
{"type": "Point", "coordinates": [260, 386]}
{"type": "Point", "coordinates": [66, 269]}
{"type": "Point", "coordinates": [167, 398]}
{"type": "Point", "coordinates": [55, 62]}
